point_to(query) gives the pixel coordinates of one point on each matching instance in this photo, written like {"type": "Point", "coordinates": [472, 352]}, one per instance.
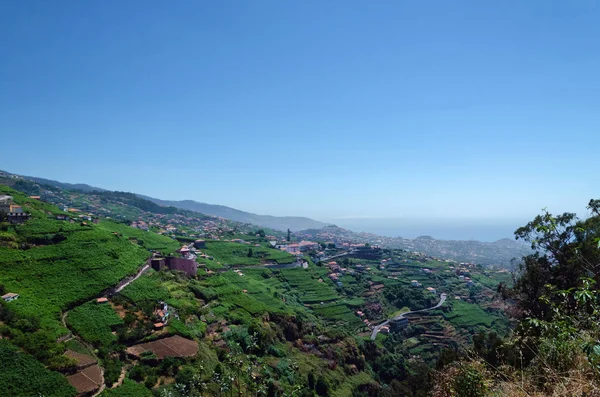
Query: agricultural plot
{"type": "Point", "coordinates": [85, 263]}
{"type": "Point", "coordinates": [87, 380]}
{"type": "Point", "coordinates": [259, 297]}
{"type": "Point", "coordinates": [308, 288]}
{"type": "Point", "coordinates": [230, 253]}
{"type": "Point", "coordinates": [146, 288]}
{"type": "Point", "coordinates": [337, 313]}
{"type": "Point", "coordinates": [148, 240]}
{"type": "Point", "coordinates": [173, 346]}
{"type": "Point", "coordinates": [23, 376]}
{"type": "Point", "coordinates": [94, 322]}
{"type": "Point", "coordinates": [468, 315]}
{"type": "Point", "coordinates": [129, 388]}
{"type": "Point", "coordinates": [493, 279]}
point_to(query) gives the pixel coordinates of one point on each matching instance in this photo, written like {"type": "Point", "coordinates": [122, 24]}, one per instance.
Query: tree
{"type": "Point", "coordinates": [567, 249]}
{"type": "Point", "coordinates": [250, 253]}
{"type": "Point", "coordinates": [289, 235]}
{"type": "Point", "coordinates": [311, 380]}
{"type": "Point", "coordinates": [322, 387]}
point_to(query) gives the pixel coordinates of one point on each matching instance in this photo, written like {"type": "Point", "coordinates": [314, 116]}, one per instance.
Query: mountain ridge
{"type": "Point", "coordinates": [294, 223]}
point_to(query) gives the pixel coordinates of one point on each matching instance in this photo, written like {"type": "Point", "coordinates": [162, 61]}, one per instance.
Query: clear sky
{"type": "Point", "coordinates": [474, 109]}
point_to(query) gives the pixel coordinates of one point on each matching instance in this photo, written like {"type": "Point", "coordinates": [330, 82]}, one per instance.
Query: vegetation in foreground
{"type": "Point", "coordinates": [278, 331]}
{"type": "Point", "coordinates": [555, 349]}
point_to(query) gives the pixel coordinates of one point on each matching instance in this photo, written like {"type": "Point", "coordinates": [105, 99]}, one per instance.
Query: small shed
{"type": "Point", "coordinates": [10, 297]}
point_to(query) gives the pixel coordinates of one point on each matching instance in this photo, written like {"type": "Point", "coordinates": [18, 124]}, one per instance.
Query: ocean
{"type": "Point", "coordinates": [441, 229]}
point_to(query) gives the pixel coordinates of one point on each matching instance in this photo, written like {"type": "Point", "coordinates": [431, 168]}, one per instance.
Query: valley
{"type": "Point", "coordinates": [90, 296]}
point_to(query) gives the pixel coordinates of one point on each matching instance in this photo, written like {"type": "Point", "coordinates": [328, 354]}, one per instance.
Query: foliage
{"type": "Point", "coordinates": [307, 286]}
{"type": "Point", "coordinates": [112, 370]}
{"type": "Point", "coordinates": [401, 296]}
{"type": "Point", "coordinates": [567, 250]}
{"type": "Point", "coordinates": [555, 348]}
{"type": "Point", "coordinates": [136, 201]}
{"type": "Point", "coordinates": [129, 388]}
{"type": "Point", "coordinates": [149, 240]}
{"type": "Point", "coordinates": [463, 379]}
{"type": "Point", "coordinates": [22, 376]}
{"type": "Point", "coordinates": [94, 323]}
{"type": "Point", "coordinates": [146, 289]}
{"type": "Point", "coordinates": [87, 262]}
{"type": "Point", "coordinates": [465, 314]}
{"type": "Point", "coordinates": [231, 253]}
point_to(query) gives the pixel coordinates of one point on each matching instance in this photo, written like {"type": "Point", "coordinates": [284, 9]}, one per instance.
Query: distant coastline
{"type": "Point", "coordinates": [487, 230]}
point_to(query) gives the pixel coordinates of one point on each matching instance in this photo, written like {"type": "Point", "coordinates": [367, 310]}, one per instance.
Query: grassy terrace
{"type": "Point", "coordinates": [148, 240]}
{"type": "Point", "coordinates": [80, 267]}
{"type": "Point", "coordinates": [338, 313]}
{"type": "Point", "coordinates": [229, 253]}
{"type": "Point", "coordinates": [129, 388]}
{"type": "Point", "coordinates": [305, 283]}
{"type": "Point", "coordinates": [78, 261]}
{"type": "Point", "coordinates": [468, 315]}
{"type": "Point", "coordinates": [23, 376]}
{"type": "Point", "coordinates": [94, 322]}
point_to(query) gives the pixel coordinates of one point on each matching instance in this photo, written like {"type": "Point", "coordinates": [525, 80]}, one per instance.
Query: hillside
{"type": "Point", "coordinates": [63, 185]}
{"type": "Point", "coordinates": [281, 223]}
{"type": "Point", "coordinates": [294, 223]}
{"type": "Point", "coordinates": [499, 253]}
{"type": "Point", "coordinates": [291, 324]}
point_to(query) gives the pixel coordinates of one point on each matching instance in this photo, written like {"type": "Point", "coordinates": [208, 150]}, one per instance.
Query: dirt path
{"type": "Point", "coordinates": [124, 283]}
{"type": "Point", "coordinates": [103, 385]}
{"type": "Point", "coordinates": [118, 288]}
{"type": "Point", "coordinates": [119, 381]}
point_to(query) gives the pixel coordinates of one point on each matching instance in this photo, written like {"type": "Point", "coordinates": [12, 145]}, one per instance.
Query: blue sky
{"type": "Point", "coordinates": [468, 109]}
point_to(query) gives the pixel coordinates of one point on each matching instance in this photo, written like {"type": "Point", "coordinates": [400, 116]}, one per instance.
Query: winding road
{"type": "Point", "coordinates": [399, 316]}
{"type": "Point", "coordinates": [116, 289]}
{"type": "Point", "coordinates": [125, 283]}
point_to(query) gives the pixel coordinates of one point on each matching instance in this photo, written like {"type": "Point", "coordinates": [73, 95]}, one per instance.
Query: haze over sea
{"type": "Point", "coordinates": [438, 228]}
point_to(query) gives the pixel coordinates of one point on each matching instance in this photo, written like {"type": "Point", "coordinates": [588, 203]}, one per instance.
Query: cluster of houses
{"type": "Point", "coordinates": [162, 314]}
{"type": "Point", "coordinates": [139, 224]}
{"type": "Point", "coordinates": [336, 271]}
{"type": "Point", "coordinates": [463, 273]}
{"type": "Point", "coordinates": [14, 213]}
{"type": "Point", "coordinates": [83, 218]}
{"type": "Point", "coordinates": [417, 284]}
{"type": "Point", "coordinates": [298, 248]}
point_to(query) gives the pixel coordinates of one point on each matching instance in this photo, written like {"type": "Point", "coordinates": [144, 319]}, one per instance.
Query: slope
{"type": "Point", "coordinates": [293, 223]}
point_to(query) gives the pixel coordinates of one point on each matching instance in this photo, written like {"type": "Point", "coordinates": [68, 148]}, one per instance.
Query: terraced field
{"type": "Point", "coordinates": [93, 322]}
{"type": "Point", "coordinates": [338, 313]}
{"type": "Point", "coordinates": [468, 315]}
{"type": "Point", "coordinates": [308, 288]}
{"type": "Point", "coordinates": [229, 253]}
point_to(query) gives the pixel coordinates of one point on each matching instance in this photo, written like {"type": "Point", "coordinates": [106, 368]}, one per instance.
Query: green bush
{"type": "Point", "coordinates": [94, 323]}
{"type": "Point", "coordinates": [22, 376]}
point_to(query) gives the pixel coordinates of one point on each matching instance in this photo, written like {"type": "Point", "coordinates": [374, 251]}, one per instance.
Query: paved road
{"type": "Point", "coordinates": [399, 316]}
